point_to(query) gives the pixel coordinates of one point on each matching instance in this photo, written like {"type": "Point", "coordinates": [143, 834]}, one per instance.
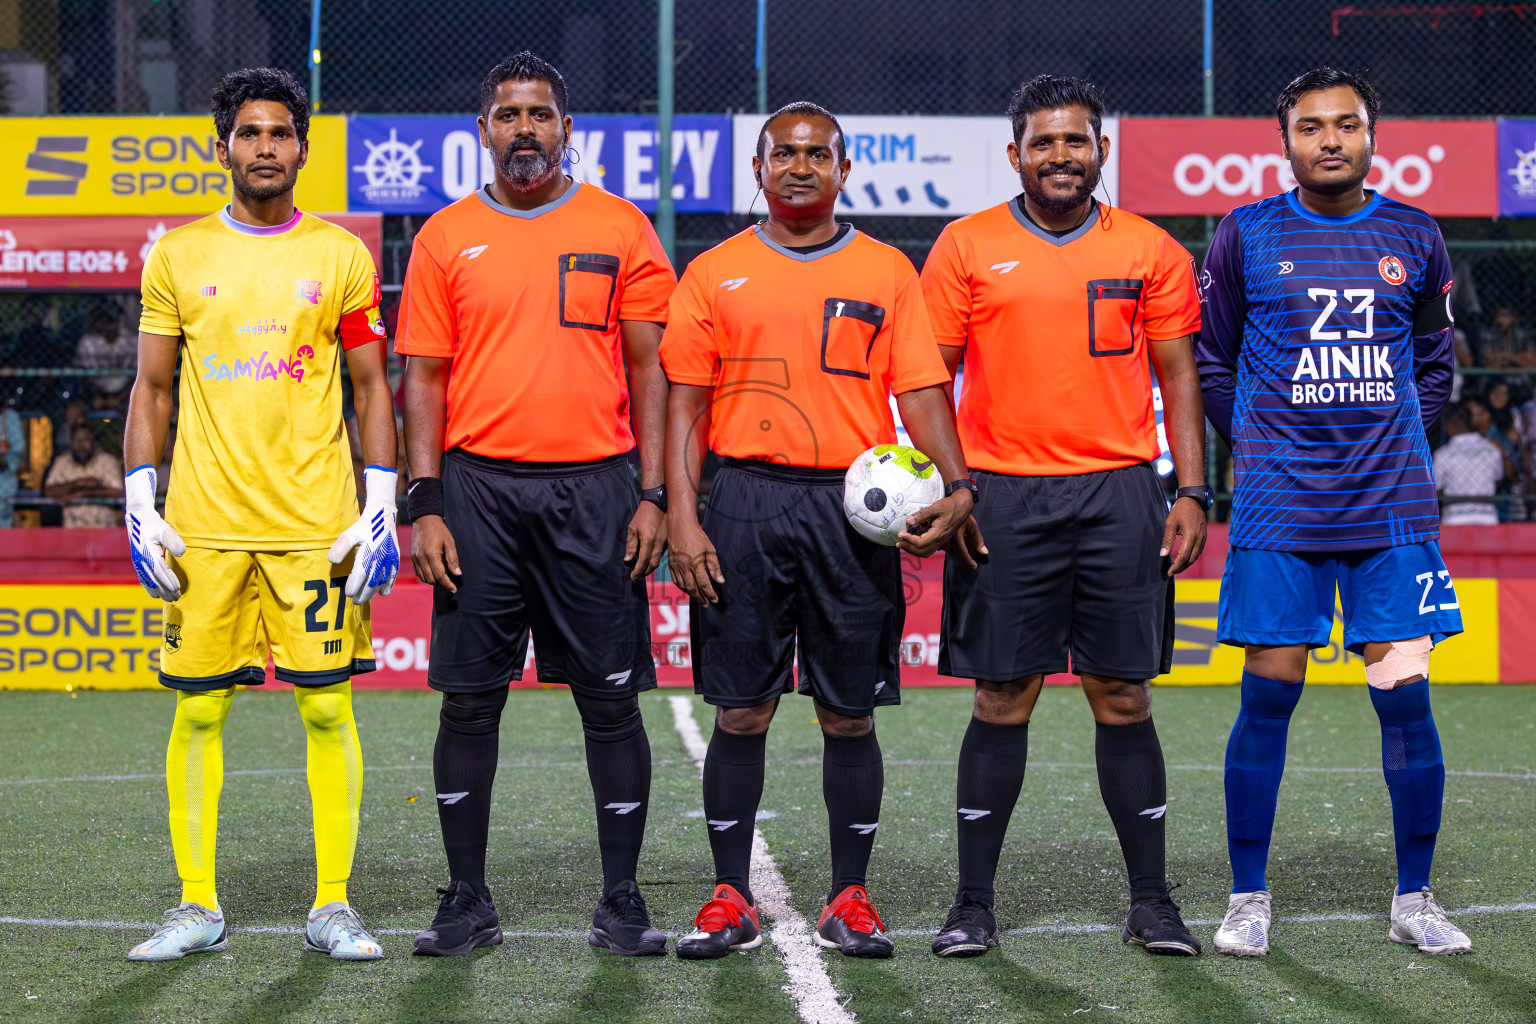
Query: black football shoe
{"type": "Point", "coordinates": [1154, 924]}
{"type": "Point", "coordinates": [466, 920]}
{"type": "Point", "coordinates": [850, 923]}
{"type": "Point", "coordinates": [727, 922]}
{"type": "Point", "coordinates": [621, 925]}
{"type": "Point", "coordinates": [969, 930]}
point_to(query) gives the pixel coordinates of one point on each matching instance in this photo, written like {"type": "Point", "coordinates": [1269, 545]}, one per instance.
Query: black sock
{"type": "Point", "coordinates": [619, 765]}
{"type": "Point", "coordinates": [991, 774]}
{"type": "Point", "coordinates": [852, 783]}
{"type": "Point", "coordinates": [464, 769]}
{"type": "Point", "coordinates": [1135, 791]}
{"type": "Point", "coordinates": [733, 787]}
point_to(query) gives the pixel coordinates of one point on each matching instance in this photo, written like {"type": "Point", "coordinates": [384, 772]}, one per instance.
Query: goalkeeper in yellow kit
{"type": "Point", "coordinates": [261, 548]}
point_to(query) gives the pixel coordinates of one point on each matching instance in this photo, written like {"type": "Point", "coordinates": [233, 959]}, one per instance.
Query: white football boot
{"type": "Point", "coordinates": [1418, 920]}
{"type": "Point", "coordinates": [190, 928]}
{"type": "Point", "coordinates": [336, 930]}
{"type": "Point", "coordinates": [1245, 929]}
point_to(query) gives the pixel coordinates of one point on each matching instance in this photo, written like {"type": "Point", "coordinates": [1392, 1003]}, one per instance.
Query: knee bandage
{"type": "Point", "coordinates": [1406, 662]}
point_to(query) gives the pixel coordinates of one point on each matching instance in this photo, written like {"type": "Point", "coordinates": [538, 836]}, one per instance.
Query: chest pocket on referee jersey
{"type": "Point", "coordinates": [848, 330]}
{"type": "Point", "coordinates": [1114, 307]}
{"type": "Point", "coordinates": [587, 283]}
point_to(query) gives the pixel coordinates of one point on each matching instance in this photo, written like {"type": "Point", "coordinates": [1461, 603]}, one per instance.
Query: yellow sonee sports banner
{"type": "Point", "coordinates": [99, 636]}
{"type": "Point", "coordinates": [151, 166]}
{"type": "Point", "coordinates": [1469, 657]}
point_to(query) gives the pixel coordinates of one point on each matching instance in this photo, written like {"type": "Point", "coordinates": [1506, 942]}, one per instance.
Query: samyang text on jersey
{"type": "Point", "coordinates": [1325, 351]}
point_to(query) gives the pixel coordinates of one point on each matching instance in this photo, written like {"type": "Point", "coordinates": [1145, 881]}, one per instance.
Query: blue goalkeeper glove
{"type": "Point", "coordinates": [373, 535]}
{"type": "Point", "coordinates": [149, 536]}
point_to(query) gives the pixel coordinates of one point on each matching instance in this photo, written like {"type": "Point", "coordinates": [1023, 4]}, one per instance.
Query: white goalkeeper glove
{"type": "Point", "coordinates": [373, 535]}
{"type": "Point", "coordinates": [149, 536]}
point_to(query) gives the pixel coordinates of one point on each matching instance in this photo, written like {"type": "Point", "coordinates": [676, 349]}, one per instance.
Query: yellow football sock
{"type": "Point", "coordinates": [194, 774]}
{"type": "Point", "coordinates": [335, 784]}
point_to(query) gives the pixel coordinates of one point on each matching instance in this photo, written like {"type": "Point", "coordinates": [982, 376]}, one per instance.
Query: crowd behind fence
{"type": "Point", "coordinates": [66, 358]}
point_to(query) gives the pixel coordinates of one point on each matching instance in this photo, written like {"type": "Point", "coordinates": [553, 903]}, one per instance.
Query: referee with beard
{"type": "Point", "coordinates": [1056, 303]}
{"type": "Point", "coordinates": [532, 316]}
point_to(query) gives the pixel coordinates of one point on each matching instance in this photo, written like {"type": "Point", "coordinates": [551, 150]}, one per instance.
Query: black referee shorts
{"type": "Point", "coordinates": [794, 568]}
{"type": "Point", "coordinates": [541, 546]}
{"type": "Point", "coordinates": [1074, 566]}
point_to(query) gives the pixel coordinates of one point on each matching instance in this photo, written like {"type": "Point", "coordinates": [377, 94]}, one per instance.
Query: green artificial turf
{"type": "Point", "coordinates": [97, 850]}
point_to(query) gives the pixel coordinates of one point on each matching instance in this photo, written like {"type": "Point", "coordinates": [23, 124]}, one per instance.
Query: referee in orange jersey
{"type": "Point", "coordinates": [783, 347]}
{"type": "Point", "coordinates": [1056, 303]}
{"type": "Point", "coordinates": [532, 315]}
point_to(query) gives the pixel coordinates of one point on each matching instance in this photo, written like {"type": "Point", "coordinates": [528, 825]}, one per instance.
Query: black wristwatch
{"type": "Point", "coordinates": [968, 484]}
{"type": "Point", "coordinates": [656, 496]}
{"type": "Point", "coordinates": [1202, 494]}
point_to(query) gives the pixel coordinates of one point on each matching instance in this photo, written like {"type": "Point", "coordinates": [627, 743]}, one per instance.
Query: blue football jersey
{"type": "Point", "coordinates": [1325, 352]}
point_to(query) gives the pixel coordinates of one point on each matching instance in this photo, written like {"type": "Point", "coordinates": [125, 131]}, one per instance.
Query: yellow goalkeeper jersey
{"type": "Point", "coordinates": [261, 460]}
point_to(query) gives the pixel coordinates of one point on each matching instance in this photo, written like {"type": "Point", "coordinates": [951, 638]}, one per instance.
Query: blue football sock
{"type": "Point", "coordinates": [1255, 761]}
{"type": "Point", "coordinates": [1415, 771]}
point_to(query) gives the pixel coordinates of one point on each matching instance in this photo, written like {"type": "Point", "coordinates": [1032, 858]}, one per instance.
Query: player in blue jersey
{"type": "Point", "coordinates": [1325, 353]}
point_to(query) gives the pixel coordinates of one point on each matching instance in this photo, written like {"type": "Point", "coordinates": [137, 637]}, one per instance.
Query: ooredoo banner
{"type": "Point", "coordinates": [82, 166]}
{"type": "Point", "coordinates": [399, 164]}
{"type": "Point", "coordinates": [1191, 165]}
{"type": "Point", "coordinates": [108, 253]}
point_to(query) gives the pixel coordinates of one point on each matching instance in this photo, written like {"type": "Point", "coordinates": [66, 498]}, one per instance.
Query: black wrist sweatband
{"type": "Point", "coordinates": [423, 497]}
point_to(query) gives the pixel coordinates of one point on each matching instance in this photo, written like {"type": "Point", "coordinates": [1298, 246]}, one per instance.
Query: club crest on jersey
{"type": "Point", "coordinates": [307, 292]}
{"type": "Point", "coordinates": [1392, 270]}
{"type": "Point", "coordinates": [172, 637]}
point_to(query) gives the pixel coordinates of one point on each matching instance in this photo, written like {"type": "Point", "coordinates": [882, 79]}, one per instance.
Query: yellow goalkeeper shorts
{"type": "Point", "coordinates": [236, 606]}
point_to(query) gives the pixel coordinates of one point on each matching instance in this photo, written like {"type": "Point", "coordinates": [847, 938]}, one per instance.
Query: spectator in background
{"type": "Point", "coordinates": [85, 472]}
{"type": "Point", "coordinates": [105, 346]}
{"type": "Point", "coordinates": [75, 413]}
{"type": "Point", "coordinates": [13, 452]}
{"type": "Point", "coordinates": [1506, 432]}
{"type": "Point", "coordinates": [1506, 342]}
{"type": "Point", "coordinates": [1467, 466]}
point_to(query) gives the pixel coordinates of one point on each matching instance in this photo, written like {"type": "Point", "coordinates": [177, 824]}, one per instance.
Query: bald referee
{"type": "Point", "coordinates": [532, 317]}
{"type": "Point", "coordinates": [1055, 303]}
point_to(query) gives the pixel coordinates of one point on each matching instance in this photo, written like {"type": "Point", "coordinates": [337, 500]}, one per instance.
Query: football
{"type": "Point", "coordinates": [884, 486]}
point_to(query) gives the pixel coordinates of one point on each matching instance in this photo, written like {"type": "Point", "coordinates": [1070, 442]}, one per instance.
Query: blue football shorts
{"type": "Point", "coordinates": [1283, 598]}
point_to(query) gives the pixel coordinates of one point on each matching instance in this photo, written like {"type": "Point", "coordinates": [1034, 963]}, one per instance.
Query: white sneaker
{"type": "Point", "coordinates": [335, 929]}
{"type": "Point", "coordinates": [190, 928]}
{"type": "Point", "coordinates": [1418, 920]}
{"type": "Point", "coordinates": [1245, 930]}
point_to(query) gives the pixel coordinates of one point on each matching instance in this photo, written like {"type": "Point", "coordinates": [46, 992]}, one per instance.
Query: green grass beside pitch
{"type": "Point", "coordinates": [98, 850]}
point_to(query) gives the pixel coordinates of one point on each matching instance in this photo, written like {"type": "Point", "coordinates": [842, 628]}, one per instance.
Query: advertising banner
{"type": "Point", "coordinates": [83, 166]}
{"type": "Point", "coordinates": [1517, 168]}
{"type": "Point", "coordinates": [399, 164]}
{"type": "Point", "coordinates": [917, 166]}
{"type": "Point", "coordinates": [108, 636]}
{"type": "Point", "coordinates": [108, 253]}
{"type": "Point", "coordinates": [1194, 165]}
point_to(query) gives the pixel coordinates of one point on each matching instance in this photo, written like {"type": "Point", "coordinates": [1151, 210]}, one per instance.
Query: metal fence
{"type": "Point", "coordinates": [1174, 57]}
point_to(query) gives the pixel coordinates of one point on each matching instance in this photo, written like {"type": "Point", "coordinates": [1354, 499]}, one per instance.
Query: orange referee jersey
{"type": "Point", "coordinates": [527, 304]}
{"type": "Point", "coordinates": [803, 349]}
{"type": "Point", "coordinates": [1055, 333]}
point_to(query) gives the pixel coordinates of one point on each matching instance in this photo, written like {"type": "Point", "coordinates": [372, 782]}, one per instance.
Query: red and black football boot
{"type": "Point", "coordinates": [849, 923]}
{"type": "Point", "coordinates": [727, 922]}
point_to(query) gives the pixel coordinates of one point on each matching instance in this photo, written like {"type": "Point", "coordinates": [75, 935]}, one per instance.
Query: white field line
{"type": "Point", "coordinates": [1034, 929]}
{"type": "Point", "coordinates": [815, 998]}
{"type": "Point", "coordinates": [1517, 776]}
{"type": "Point", "coordinates": [889, 762]}
{"type": "Point", "coordinates": [420, 765]}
